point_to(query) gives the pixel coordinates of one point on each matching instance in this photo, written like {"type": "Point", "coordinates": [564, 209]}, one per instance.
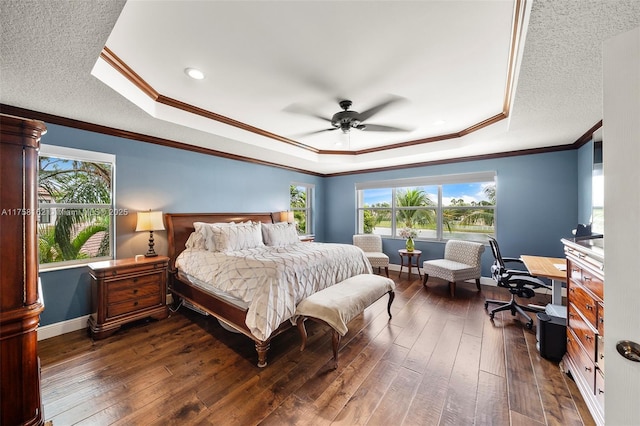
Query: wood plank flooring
{"type": "Point", "coordinates": [439, 361]}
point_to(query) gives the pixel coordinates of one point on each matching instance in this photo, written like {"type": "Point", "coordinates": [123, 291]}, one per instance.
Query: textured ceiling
{"type": "Point", "coordinates": [49, 48]}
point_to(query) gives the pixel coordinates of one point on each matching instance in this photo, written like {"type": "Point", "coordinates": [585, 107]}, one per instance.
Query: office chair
{"type": "Point", "coordinates": [519, 283]}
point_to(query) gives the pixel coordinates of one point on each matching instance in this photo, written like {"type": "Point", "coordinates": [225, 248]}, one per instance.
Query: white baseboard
{"type": "Point", "coordinates": [53, 330]}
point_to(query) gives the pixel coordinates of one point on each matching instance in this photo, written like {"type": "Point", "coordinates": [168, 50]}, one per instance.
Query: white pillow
{"type": "Point", "coordinates": [279, 234]}
{"type": "Point", "coordinates": [196, 241]}
{"type": "Point", "coordinates": [206, 230]}
{"type": "Point", "coordinates": [237, 237]}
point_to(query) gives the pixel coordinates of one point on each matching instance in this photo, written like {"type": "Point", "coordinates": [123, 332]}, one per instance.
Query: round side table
{"type": "Point", "coordinates": [409, 255]}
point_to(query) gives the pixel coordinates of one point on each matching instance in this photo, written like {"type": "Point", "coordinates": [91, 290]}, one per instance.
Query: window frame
{"type": "Point", "coordinates": [75, 154]}
{"type": "Point", "coordinates": [434, 181]}
{"type": "Point", "coordinates": [308, 209]}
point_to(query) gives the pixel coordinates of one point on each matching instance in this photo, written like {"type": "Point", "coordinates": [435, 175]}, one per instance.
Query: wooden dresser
{"type": "Point", "coordinates": [20, 297]}
{"type": "Point", "coordinates": [127, 290]}
{"type": "Point", "coordinates": [585, 326]}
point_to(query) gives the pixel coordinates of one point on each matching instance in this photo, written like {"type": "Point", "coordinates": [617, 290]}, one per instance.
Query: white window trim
{"type": "Point", "coordinates": [428, 180]}
{"type": "Point", "coordinates": [311, 189]}
{"type": "Point", "coordinates": [437, 180]}
{"type": "Point", "coordinates": [88, 156]}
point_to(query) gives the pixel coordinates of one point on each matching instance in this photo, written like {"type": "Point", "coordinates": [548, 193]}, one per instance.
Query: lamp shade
{"type": "Point", "coordinates": [150, 221]}
{"type": "Point", "coordinates": [286, 216]}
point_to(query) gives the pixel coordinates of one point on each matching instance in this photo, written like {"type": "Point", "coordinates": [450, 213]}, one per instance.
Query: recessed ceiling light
{"type": "Point", "coordinates": [194, 73]}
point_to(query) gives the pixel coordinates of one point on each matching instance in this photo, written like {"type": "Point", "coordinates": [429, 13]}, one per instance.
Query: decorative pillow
{"type": "Point", "coordinates": [237, 237]}
{"type": "Point", "coordinates": [196, 241]}
{"type": "Point", "coordinates": [279, 234]}
{"type": "Point", "coordinates": [206, 230]}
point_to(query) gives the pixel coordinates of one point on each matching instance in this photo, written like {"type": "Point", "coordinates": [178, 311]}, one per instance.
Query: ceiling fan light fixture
{"type": "Point", "coordinates": [194, 73]}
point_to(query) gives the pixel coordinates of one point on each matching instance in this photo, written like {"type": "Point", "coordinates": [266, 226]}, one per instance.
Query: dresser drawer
{"type": "Point", "coordinates": [584, 363]}
{"type": "Point", "coordinates": [593, 283]}
{"type": "Point", "coordinates": [600, 319]}
{"type": "Point", "coordinates": [584, 302]}
{"type": "Point", "coordinates": [583, 331]}
{"type": "Point", "coordinates": [133, 305]}
{"type": "Point", "coordinates": [599, 390]}
{"type": "Point", "coordinates": [132, 288]}
{"type": "Point", "coordinates": [600, 352]}
{"type": "Point", "coordinates": [575, 271]}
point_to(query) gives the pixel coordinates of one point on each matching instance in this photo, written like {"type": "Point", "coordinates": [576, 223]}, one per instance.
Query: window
{"type": "Point", "coordinates": [301, 203]}
{"type": "Point", "coordinates": [75, 206]}
{"type": "Point", "coordinates": [437, 207]}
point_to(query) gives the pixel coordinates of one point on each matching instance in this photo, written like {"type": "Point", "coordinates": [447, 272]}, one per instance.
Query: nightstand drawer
{"type": "Point", "coordinates": [133, 305]}
{"type": "Point", "coordinates": [133, 288]}
{"type": "Point", "coordinates": [131, 268]}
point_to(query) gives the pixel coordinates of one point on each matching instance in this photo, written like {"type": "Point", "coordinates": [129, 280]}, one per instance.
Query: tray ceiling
{"type": "Point", "coordinates": [473, 77]}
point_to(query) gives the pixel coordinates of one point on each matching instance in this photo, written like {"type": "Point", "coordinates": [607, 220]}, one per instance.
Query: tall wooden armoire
{"type": "Point", "coordinates": [20, 296]}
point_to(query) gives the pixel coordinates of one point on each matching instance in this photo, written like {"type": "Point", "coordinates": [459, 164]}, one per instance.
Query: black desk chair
{"type": "Point", "coordinates": [519, 283]}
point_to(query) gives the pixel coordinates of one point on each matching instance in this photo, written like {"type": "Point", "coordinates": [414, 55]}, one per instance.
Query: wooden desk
{"type": "Point", "coordinates": [546, 267]}
{"type": "Point", "coordinates": [409, 255]}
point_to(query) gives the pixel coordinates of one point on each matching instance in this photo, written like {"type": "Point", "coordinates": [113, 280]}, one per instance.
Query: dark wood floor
{"type": "Point", "coordinates": [438, 361]}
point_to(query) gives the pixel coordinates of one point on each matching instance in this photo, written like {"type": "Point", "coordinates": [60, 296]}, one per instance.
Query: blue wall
{"type": "Point", "coordinates": [154, 177]}
{"type": "Point", "coordinates": [537, 202]}
{"type": "Point", "coordinates": [537, 198]}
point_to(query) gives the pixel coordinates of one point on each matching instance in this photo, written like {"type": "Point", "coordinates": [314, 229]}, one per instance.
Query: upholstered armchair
{"type": "Point", "coordinates": [461, 262]}
{"type": "Point", "coordinates": [371, 245]}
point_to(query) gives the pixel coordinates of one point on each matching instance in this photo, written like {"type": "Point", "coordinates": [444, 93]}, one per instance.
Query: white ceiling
{"type": "Point", "coordinates": [454, 64]}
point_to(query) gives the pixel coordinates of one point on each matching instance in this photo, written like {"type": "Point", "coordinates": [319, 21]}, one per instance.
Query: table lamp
{"type": "Point", "coordinates": [286, 216]}
{"type": "Point", "coordinates": [150, 221]}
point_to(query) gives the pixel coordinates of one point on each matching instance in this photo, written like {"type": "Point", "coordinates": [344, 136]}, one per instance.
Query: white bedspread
{"type": "Point", "coordinates": [273, 280]}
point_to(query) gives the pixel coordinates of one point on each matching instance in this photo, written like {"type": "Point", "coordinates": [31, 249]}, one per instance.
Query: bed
{"type": "Point", "coordinates": [253, 290]}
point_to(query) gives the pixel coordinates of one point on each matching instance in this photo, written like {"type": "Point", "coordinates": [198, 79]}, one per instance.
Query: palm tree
{"type": "Point", "coordinates": [490, 192]}
{"type": "Point", "coordinates": [76, 183]}
{"type": "Point", "coordinates": [414, 197]}
{"type": "Point", "coordinates": [482, 216]}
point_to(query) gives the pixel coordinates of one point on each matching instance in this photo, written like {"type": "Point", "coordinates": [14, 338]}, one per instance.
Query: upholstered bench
{"type": "Point", "coordinates": [340, 303]}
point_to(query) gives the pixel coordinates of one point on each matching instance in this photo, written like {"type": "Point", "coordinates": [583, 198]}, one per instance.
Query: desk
{"type": "Point", "coordinates": [545, 267]}
{"type": "Point", "coordinates": [409, 255]}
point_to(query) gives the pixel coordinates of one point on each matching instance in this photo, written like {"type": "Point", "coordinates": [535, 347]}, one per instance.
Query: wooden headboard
{"type": "Point", "coordinates": [180, 226]}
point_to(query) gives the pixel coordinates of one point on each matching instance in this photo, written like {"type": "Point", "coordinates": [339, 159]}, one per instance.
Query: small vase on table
{"type": "Point", "coordinates": [410, 245]}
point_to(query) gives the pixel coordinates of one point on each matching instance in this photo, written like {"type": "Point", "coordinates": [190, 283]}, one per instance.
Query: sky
{"type": "Point", "coordinates": [467, 191]}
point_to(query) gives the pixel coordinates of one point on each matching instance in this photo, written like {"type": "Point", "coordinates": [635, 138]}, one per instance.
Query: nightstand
{"type": "Point", "coordinates": [127, 290]}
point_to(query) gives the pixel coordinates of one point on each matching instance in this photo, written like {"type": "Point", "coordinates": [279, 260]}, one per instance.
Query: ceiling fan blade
{"type": "Point", "coordinates": [381, 128]}
{"type": "Point", "coordinates": [300, 109]}
{"type": "Point", "coordinates": [315, 132]}
{"type": "Point", "coordinates": [365, 115]}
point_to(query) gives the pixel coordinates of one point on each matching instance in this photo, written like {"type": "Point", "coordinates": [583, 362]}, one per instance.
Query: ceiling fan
{"type": "Point", "coordinates": [348, 119]}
